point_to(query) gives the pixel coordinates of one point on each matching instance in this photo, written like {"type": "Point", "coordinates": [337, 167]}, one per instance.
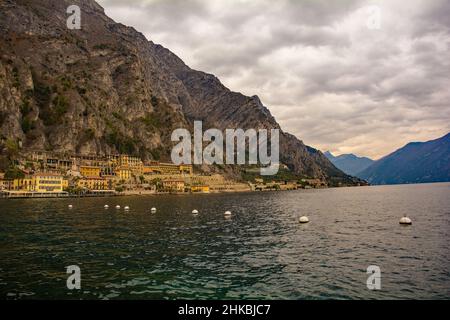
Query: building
{"type": "Point", "coordinates": [316, 183]}
{"type": "Point", "coordinates": [48, 182]}
{"type": "Point", "coordinates": [25, 184]}
{"type": "Point", "coordinates": [200, 188]}
{"type": "Point", "coordinates": [174, 185]}
{"type": "Point", "coordinates": [95, 183]}
{"type": "Point", "coordinates": [52, 162]}
{"type": "Point", "coordinates": [90, 171]}
{"type": "Point", "coordinates": [129, 161]}
{"type": "Point", "coordinates": [6, 184]}
{"type": "Point", "coordinates": [112, 180]}
{"type": "Point", "coordinates": [124, 173]}
{"type": "Point", "coordinates": [133, 163]}
{"type": "Point", "coordinates": [167, 168]}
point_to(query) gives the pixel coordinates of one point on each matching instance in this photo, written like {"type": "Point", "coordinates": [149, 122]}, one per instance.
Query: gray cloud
{"type": "Point", "coordinates": [325, 76]}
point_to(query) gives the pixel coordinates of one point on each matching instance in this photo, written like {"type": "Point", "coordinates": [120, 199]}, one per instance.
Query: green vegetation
{"type": "Point", "coordinates": [3, 117]}
{"type": "Point", "coordinates": [51, 116]}
{"type": "Point", "coordinates": [87, 135]}
{"type": "Point", "coordinates": [29, 165]}
{"type": "Point", "coordinates": [27, 125]}
{"type": "Point", "coordinates": [150, 121]}
{"type": "Point", "coordinates": [157, 183]}
{"type": "Point", "coordinates": [25, 108]}
{"type": "Point", "coordinates": [16, 83]}
{"type": "Point", "coordinates": [122, 143]}
{"type": "Point", "coordinates": [154, 101]}
{"type": "Point", "coordinates": [74, 190]}
{"type": "Point", "coordinates": [130, 101]}
{"type": "Point", "coordinates": [81, 90]}
{"type": "Point", "coordinates": [14, 173]}
{"type": "Point", "coordinates": [282, 175]}
{"type": "Point", "coordinates": [42, 94]}
{"type": "Point", "coordinates": [12, 149]}
{"type": "Point", "coordinates": [102, 46]}
{"type": "Point", "coordinates": [118, 116]}
{"type": "Point", "coordinates": [156, 153]}
{"type": "Point", "coordinates": [66, 83]}
{"type": "Point", "coordinates": [4, 163]}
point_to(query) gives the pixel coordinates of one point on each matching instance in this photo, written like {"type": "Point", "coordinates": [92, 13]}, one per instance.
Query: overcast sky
{"type": "Point", "coordinates": [325, 70]}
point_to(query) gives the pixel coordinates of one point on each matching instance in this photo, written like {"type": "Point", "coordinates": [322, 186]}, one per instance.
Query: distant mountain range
{"type": "Point", "coordinates": [349, 163]}
{"type": "Point", "coordinates": [417, 162]}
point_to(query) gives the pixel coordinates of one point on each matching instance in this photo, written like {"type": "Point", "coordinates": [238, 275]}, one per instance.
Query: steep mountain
{"type": "Point", "coordinates": [417, 162]}
{"type": "Point", "coordinates": [349, 163]}
{"type": "Point", "coordinates": [106, 89]}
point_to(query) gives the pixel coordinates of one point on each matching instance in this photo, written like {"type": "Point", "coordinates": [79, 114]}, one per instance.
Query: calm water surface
{"type": "Point", "coordinates": [261, 252]}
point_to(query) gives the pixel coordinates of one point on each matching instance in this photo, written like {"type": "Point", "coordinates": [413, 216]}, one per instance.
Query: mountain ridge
{"type": "Point", "coordinates": [106, 89]}
{"type": "Point", "coordinates": [416, 162]}
{"type": "Point", "coordinates": [349, 163]}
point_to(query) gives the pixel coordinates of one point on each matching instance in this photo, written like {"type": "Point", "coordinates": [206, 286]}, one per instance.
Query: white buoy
{"type": "Point", "coordinates": [194, 211]}
{"type": "Point", "coordinates": [227, 213]}
{"type": "Point", "coordinates": [303, 219]}
{"type": "Point", "coordinates": [106, 206]}
{"type": "Point", "coordinates": [153, 210]}
{"type": "Point", "coordinates": [70, 206]}
{"type": "Point", "coordinates": [405, 220]}
{"type": "Point", "coordinates": [127, 208]}
{"type": "Point", "coordinates": [117, 207]}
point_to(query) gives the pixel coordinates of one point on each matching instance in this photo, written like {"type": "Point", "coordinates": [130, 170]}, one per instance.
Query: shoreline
{"type": "Point", "coordinates": [143, 194]}
{"type": "Point", "coordinates": [128, 194]}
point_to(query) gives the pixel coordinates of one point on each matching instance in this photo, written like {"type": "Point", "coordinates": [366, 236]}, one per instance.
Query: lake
{"type": "Point", "coordinates": [260, 252]}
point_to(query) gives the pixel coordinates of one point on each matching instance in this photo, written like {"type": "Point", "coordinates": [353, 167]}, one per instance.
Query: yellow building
{"type": "Point", "coordinates": [48, 182]}
{"type": "Point", "coordinates": [34, 183]}
{"type": "Point", "coordinates": [173, 185]}
{"type": "Point", "coordinates": [200, 188]}
{"type": "Point", "coordinates": [90, 171]}
{"type": "Point", "coordinates": [6, 184]}
{"type": "Point", "coordinates": [167, 168]}
{"type": "Point", "coordinates": [133, 163]}
{"type": "Point", "coordinates": [186, 169]}
{"type": "Point", "coordinates": [25, 184]}
{"type": "Point", "coordinates": [95, 183]}
{"type": "Point", "coordinates": [123, 173]}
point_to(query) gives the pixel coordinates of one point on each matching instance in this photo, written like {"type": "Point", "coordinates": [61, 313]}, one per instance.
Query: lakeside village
{"type": "Point", "coordinates": [45, 174]}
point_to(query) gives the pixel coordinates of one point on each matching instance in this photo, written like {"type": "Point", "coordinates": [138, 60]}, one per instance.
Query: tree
{"type": "Point", "coordinates": [12, 149]}
{"type": "Point", "coordinates": [14, 173]}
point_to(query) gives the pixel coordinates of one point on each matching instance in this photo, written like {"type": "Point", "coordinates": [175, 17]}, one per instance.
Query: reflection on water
{"type": "Point", "coordinates": [261, 251]}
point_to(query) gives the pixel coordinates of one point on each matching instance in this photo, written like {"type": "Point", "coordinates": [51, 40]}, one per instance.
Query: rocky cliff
{"type": "Point", "coordinates": [107, 89]}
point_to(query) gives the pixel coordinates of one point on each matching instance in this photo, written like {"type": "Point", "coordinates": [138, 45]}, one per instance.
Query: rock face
{"type": "Point", "coordinates": [417, 162]}
{"type": "Point", "coordinates": [107, 89]}
{"type": "Point", "coordinates": [349, 163]}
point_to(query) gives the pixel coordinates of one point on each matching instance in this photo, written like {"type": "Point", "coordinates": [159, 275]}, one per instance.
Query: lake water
{"type": "Point", "coordinates": [261, 252]}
